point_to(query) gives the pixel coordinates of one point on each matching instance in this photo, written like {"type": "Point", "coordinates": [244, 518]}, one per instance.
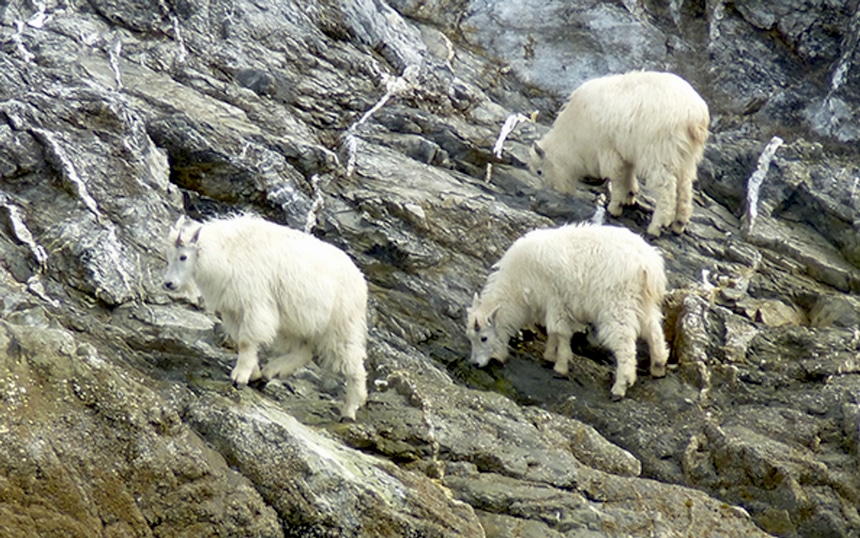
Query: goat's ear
{"type": "Point", "coordinates": [176, 230]}
{"type": "Point", "coordinates": [175, 233]}
{"type": "Point", "coordinates": [196, 235]}
{"type": "Point", "coordinates": [539, 150]}
{"type": "Point", "coordinates": [491, 319]}
{"type": "Point", "coordinates": [477, 326]}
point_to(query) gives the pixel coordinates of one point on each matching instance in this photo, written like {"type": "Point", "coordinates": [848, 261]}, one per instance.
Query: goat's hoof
{"type": "Point", "coordinates": [258, 383]}
{"type": "Point", "coordinates": [347, 420]}
{"type": "Point", "coordinates": [559, 375]}
{"type": "Point", "coordinates": [678, 227]}
{"type": "Point", "coordinates": [619, 390]}
{"type": "Point", "coordinates": [658, 370]}
{"type": "Point", "coordinates": [239, 386]}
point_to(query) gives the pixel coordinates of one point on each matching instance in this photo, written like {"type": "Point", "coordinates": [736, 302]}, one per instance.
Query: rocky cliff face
{"type": "Point", "coordinates": [373, 124]}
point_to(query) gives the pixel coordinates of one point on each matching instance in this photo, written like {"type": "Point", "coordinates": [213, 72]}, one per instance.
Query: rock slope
{"type": "Point", "coordinates": [373, 125]}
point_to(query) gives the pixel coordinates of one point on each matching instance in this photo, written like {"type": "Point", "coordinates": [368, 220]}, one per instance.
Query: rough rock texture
{"type": "Point", "coordinates": [373, 125]}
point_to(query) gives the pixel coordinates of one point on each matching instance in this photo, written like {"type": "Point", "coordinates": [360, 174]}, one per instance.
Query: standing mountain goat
{"type": "Point", "coordinates": [276, 286]}
{"type": "Point", "coordinates": [646, 124]}
{"type": "Point", "coordinates": [565, 278]}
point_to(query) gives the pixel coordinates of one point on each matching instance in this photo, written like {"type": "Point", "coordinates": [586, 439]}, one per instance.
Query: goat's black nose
{"type": "Point", "coordinates": [169, 285]}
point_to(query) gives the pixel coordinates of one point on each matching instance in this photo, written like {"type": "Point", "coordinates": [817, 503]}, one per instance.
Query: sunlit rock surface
{"type": "Point", "coordinates": [373, 124]}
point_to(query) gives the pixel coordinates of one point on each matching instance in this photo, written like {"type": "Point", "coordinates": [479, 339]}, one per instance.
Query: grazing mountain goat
{"type": "Point", "coordinates": [646, 124]}
{"type": "Point", "coordinates": [565, 278]}
{"type": "Point", "coordinates": [272, 285]}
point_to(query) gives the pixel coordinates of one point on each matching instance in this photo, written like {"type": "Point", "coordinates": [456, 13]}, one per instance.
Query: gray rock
{"type": "Point", "coordinates": [373, 124]}
{"type": "Point", "coordinates": [318, 486]}
{"type": "Point", "coordinates": [105, 454]}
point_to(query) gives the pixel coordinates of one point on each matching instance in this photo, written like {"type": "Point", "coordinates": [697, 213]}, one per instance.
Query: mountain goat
{"type": "Point", "coordinates": [274, 286]}
{"type": "Point", "coordinates": [646, 124]}
{"type": "Point", "coordinates": [565, 278]}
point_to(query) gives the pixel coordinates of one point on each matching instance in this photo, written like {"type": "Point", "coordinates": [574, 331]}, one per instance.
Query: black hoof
{"type": "Point", "coordinates": [617, 398]}
{"type": "Point", "coordinates": [258, 384]}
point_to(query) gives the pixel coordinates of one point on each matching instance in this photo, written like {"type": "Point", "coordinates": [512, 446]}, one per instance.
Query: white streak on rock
{"type": "Point", "coordinates": [510, 124]}
{"type": "Point", "coordinates": [39, 18]}
{"type": "Point", "coordinates": [839, 75]}
{"type": "Point", "coordinates": [717, 15]}
{"type": "Point", "coordinates": [113, 250]}
{"type": "Point", "coordinates": [394, 87]}
{"type": "Point", "coordinates": [488, 175]}
{"type": "Point", "coordinates": [499, 147]}
{"type": "Point", "coordinates": [114, 55]}
{"type": "Point", "coordinates": [756, 179]}
{"type": "Point", "coordinates": [180, 42]}
{"type": "Point", "coordinates": [25, 54]}
{"type": "Point", "coordinates": [849, 48]}
{"type": "Point", "coordinates": [599, 216]}
{"type": "Point", "coordinates": [706, 282]}
{"type": "Point", "coordinates": [182, 53]}
{"type": "Point", "coordinates": [23, 234]}
{"type": "Point", "coordinates": [675, 10]}
{"type": "Point", "coordinates": [316, 206]}
{"type": "Point", "coordinates": [66, 168]}
{"type": "Point", "coordinates": [351, 143]}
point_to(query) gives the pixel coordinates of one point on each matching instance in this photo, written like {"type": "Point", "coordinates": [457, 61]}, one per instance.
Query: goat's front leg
{"type": "Point", "coordinates": [247, 369]}
{"type": "Point", "coordinates": [565, 354]}
{"type": "Point", "coordinates": [550, 353]}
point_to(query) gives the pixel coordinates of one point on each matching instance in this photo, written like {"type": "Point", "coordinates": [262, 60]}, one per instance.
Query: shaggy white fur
{"type": "Point", "coordinates": [565, 278]}
{"type": "Point", "coordinates": [640, 124]}
{"type": "Point", "coordinates": [279, 287]}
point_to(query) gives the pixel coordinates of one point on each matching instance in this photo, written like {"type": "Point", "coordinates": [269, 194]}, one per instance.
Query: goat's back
{"type": "Point", "coordinates": [246, 262]}
{"type": "Point", "coordinates": [585, 263]}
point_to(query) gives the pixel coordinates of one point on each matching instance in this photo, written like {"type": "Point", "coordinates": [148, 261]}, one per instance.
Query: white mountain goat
{"type": "Point", "coordinates": [279, 287]}
{"type": "Point", "coordinates": [564, 278]}
{"type": "Point", "coordinates": [646, 124]}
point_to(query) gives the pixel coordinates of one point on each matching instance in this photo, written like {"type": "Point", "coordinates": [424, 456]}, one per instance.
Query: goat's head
{"type": "Point", "coordinates": [487, 343]}
{"type": "Point", "coordinates": [181, 254]}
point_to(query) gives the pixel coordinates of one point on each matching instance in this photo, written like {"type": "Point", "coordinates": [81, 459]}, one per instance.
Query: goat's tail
{"type": "Point", "coordinates": [653, 282]}
{"type": "Point", "coordinates": [698, 132]}
{"type": "Point", "coordinates": [651, 317]}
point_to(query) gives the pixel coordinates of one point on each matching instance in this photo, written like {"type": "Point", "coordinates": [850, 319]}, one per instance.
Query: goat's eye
{"type": "Point", "coordinates": [183, 258]}
{"type": "Point", "coordinates": [540, 172]}
{"type": "Point", "coordinates": [483, 339]}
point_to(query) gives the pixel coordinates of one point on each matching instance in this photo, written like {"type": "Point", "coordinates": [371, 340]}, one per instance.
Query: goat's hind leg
{"type": "Point", "coordinates": [623, 187]}
{"type": "Point", "coordinates": [662, 185]}
{"type": "Point", "coordinates": [356, 381]}
{"type": "Point", "coordinates": [296, 355]}
{"type": "Point", "coordinates": [684, 202]}
{"type": "Point", "coordinates": [247, 368]}
{"type": "Point", "coordinates": [656, 340]}
{"type": "Point", "coordinates": [620, 338]}
{"type": "Point", "coordinates": [559, 332]}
